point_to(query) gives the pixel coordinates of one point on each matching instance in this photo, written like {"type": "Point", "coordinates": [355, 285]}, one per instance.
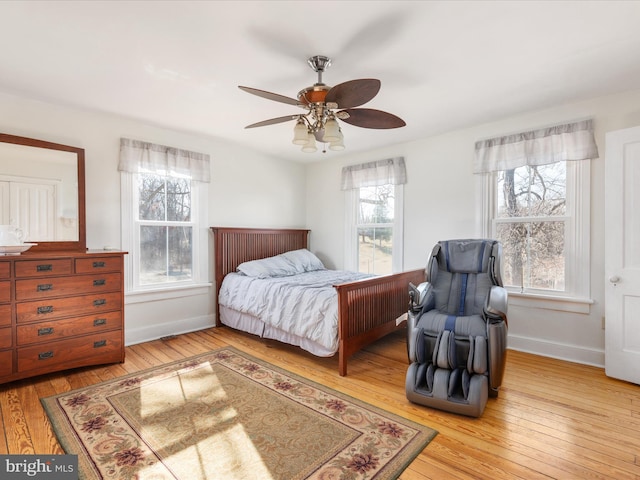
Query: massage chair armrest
{"type": "Point", "coordinates": [496, 306]}
{"type": "Point", "coordinates": [419, 295]}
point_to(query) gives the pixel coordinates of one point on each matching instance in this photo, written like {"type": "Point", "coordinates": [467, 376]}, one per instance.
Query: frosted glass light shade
{"type": "Point", "coordinates": [338, 144]}
{"type": "Point", "coordinates": [300, 134]}
{"type": "Point", "coordinates": [310, 146]}
{"type": "Point", "coordinates": [331, 131]}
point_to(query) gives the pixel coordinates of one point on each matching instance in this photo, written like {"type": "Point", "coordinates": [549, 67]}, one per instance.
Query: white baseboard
{"type": "Point", "coordinates": [537, 346]}
{"type": "Point", "coordinates": [561, 351]}
{"type": "Point", "coordinates": [153, 332]}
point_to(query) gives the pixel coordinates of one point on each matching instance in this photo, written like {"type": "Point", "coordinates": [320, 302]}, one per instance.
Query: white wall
{"type": "Point", "coordinates": [251, 189]}
{"type": "Point", "coordinates": [247, 189]}
{"type": "Point", "coordinates": [441, 202]}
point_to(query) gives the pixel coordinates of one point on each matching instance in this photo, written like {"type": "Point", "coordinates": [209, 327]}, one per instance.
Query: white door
{"type": "Point", "coordinates": [5, 211]}
{"type": "Point", "coordinates": [622, 254]}
{"type": "Point", "coordinates": [33, 208]}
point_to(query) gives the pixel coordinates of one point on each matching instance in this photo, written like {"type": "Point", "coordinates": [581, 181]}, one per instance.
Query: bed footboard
{"type": "Point", "coordinates": [368, 309]}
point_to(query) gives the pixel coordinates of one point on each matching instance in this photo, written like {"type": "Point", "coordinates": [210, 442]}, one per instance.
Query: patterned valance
{"type": "Point", "coordinates": [137, 156]}
{"type": "Point", "coordinates": [382, 172]}
{"type": "Point", "coordinates": [570, 141]}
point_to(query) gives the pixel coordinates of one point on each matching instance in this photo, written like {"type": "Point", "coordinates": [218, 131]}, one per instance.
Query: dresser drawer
{"type": "Point", "coordinates": [87, 350]}
{"type": "Point", "coordinates": [5, 291]}
{"type": "Point", "coordinates": [39, 268]}
{"type": "Point", "coordinates": [51, 308]}
{"type": "Point", "coordinates": [5, 315]}
{"type": "Point", "coordinates": [31, 333]}
{"type": "Point", "coordinates": [98, 264]}
{"type": "Point", "coordinates": [5, 269]}
{"type": "Point", "coordinates": [5, 338]}
{"type": "Point", "coordinates": [6, 363]}
{"type": "Point", "coordinates": [49, 287]}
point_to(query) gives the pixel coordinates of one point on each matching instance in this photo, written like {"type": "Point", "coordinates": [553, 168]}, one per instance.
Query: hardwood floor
{"type": "Point", "coordinates": [552, 419]}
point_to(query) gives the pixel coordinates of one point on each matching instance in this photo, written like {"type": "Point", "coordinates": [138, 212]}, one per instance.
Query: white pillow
{"type": "Point", "coordinates": [303, 260]}
{"type": "Point", "coordinates": [267, 267]}
{"type": "Point", "coordinates": [283, 265]}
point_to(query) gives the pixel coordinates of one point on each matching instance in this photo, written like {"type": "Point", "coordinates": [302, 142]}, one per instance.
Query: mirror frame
{"type": "Point", "coordinates": [81, 243]}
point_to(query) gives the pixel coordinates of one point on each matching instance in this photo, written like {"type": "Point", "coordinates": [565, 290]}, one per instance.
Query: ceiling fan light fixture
{"type": "Point", "coordinates": [338, 144]}
{"type": "Point", "coordinates": [310, 146]}
{"type": "Point", "coordinates": [324, 105]}
{"type": "Point", "coordinates": [300, 133]}
{"type": "Point", "coordinates": [331, 130]}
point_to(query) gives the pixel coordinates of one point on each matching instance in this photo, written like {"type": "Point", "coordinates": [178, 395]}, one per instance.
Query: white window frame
{"type": "Point", "coordinates": [576, 297]}
{"type": "Point", "coordinates": [199, 283]}
{"type": "Point", "coordinates": [351, 229]}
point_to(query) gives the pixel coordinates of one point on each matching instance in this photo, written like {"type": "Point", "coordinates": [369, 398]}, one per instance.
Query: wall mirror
{"type": "Point", "coordinates": [42, 192]}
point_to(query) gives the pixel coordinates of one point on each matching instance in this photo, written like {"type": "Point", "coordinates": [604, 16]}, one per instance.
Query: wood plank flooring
{"type": "Point", "coordinates": [552, 419]}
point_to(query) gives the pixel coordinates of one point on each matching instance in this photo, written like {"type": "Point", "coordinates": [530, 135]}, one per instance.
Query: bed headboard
{"type": "Point", "coordinates": [232, 246]}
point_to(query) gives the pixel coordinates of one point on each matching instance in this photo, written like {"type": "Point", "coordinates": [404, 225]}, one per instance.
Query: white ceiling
{"type": "Point", "coordinates": [443, 65]}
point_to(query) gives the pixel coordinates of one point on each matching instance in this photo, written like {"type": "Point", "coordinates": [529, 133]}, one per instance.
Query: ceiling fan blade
{"type": "Point", "coordinates": [270, 96]}
{"type": "Point", "coordinates": [353, 93]}
{"type": "Point", "coordinates": [370, 118]}
{"type": "Point", "coordinates": [273, 121]}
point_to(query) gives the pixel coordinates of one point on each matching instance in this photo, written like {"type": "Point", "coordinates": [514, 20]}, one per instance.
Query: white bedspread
{"type": "Point", "coordinates": [304, 305]}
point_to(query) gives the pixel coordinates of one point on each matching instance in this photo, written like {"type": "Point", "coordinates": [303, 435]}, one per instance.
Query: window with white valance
{"type": "Point", "coordinates": [137, 156]}
{"type": "Point", "coordinates": [164, 193]}
{"type": "Point", "coordinates": [536, 201]}
{"type": "Point", "coordinates": [391, 171]}
{"type": "Point", "coordinates": [559, 143]}
{"type": "Point", "coordinates": [374, 215]}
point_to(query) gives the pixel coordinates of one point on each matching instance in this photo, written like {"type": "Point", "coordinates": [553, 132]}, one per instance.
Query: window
{"type": "Point", "coordinates": [539, 210]}
{"type": "Point", "coordinates": [374, 194]}
{"type": "Point", "coordinates": [535, 224]}
{"type": "Point", "coordinates": [164, 216]}
{"type": "Point", "coordinates": [376, 212]}
{"type": "Point", "coordinates": [164, 228]}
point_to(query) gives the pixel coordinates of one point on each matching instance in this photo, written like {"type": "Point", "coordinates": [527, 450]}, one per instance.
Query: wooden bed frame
{"type": "Point", "coordinates": [367, 309]}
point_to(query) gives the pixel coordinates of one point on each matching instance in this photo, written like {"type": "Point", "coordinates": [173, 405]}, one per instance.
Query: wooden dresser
{"type": "Point", "coordinates": [59, 311]}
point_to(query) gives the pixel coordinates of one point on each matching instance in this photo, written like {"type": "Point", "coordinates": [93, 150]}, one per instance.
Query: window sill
{"type": "Point", "coordinates": [551, 302]}
{"type": "Point", "coordinates": [166, 293]}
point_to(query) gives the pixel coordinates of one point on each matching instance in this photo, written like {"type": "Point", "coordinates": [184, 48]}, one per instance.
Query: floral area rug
{"type": "Point", "coordinates": [227, 415]}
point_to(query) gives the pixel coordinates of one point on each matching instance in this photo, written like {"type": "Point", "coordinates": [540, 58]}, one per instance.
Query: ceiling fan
{"type": "Point", "coordinates": [325, 104]}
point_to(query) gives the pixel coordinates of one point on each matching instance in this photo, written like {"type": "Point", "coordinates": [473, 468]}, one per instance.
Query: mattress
{"type": "Point", "coordinates": [298, 309]}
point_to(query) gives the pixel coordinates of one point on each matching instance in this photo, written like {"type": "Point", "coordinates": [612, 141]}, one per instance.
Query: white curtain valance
{"type": "Point", "coordinates": [137, 156]}
{"type": "Point", "coordinates": [382, 172]}
{"type": "Point", "coordinates": [571, 141]}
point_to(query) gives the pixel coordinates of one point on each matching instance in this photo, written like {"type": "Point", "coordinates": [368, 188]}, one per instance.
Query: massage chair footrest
{"type": "Point", "coordinates": [441, 388]}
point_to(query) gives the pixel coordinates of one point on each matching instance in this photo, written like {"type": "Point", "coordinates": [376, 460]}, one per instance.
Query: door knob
{"type": "Point", "coordinates": [614, 279]}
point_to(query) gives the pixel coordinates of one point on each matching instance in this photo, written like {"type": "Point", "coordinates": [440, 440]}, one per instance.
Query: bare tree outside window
{"type": "Point", "coordinates": [375, 229]}
{"type": "Point", "coordinates": [166, 229]}
{"type": "Point", "coordinates": [530, 221]}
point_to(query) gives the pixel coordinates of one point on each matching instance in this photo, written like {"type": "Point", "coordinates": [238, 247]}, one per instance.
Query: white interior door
{"type": "Point", "coordinates": [622, 254]}
{"type": "Point", "coordinates": [5, 211]}
{"type": "Point", "coordinates": [33, 208]}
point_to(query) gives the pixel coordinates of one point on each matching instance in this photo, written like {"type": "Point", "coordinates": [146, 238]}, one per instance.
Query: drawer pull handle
{"type": "Point", "coordinates": [100, 343]}
{"type": "Point", "coordinates": [99, 321]}
{"type": "Point", "coordinates": [44, 268]}
{"type": "Point", "coordinates": [98, 264]}
{"type": "Point", "coordinates": [99, 283]}
{"type": "Point", "coordinates": [47, 309]}
{"type": "Point", "coordinates": [45, 331]}
{"type": "Point", "coordinates": [43, 287]}
{"type": "Point", "coordinates": [101, 301]}
{"type": "Point", "coordinates": [45, 355]}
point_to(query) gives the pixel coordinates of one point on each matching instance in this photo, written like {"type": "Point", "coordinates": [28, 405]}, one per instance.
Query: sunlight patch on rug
{"type": "Point", "coordinates": [227, 415]}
